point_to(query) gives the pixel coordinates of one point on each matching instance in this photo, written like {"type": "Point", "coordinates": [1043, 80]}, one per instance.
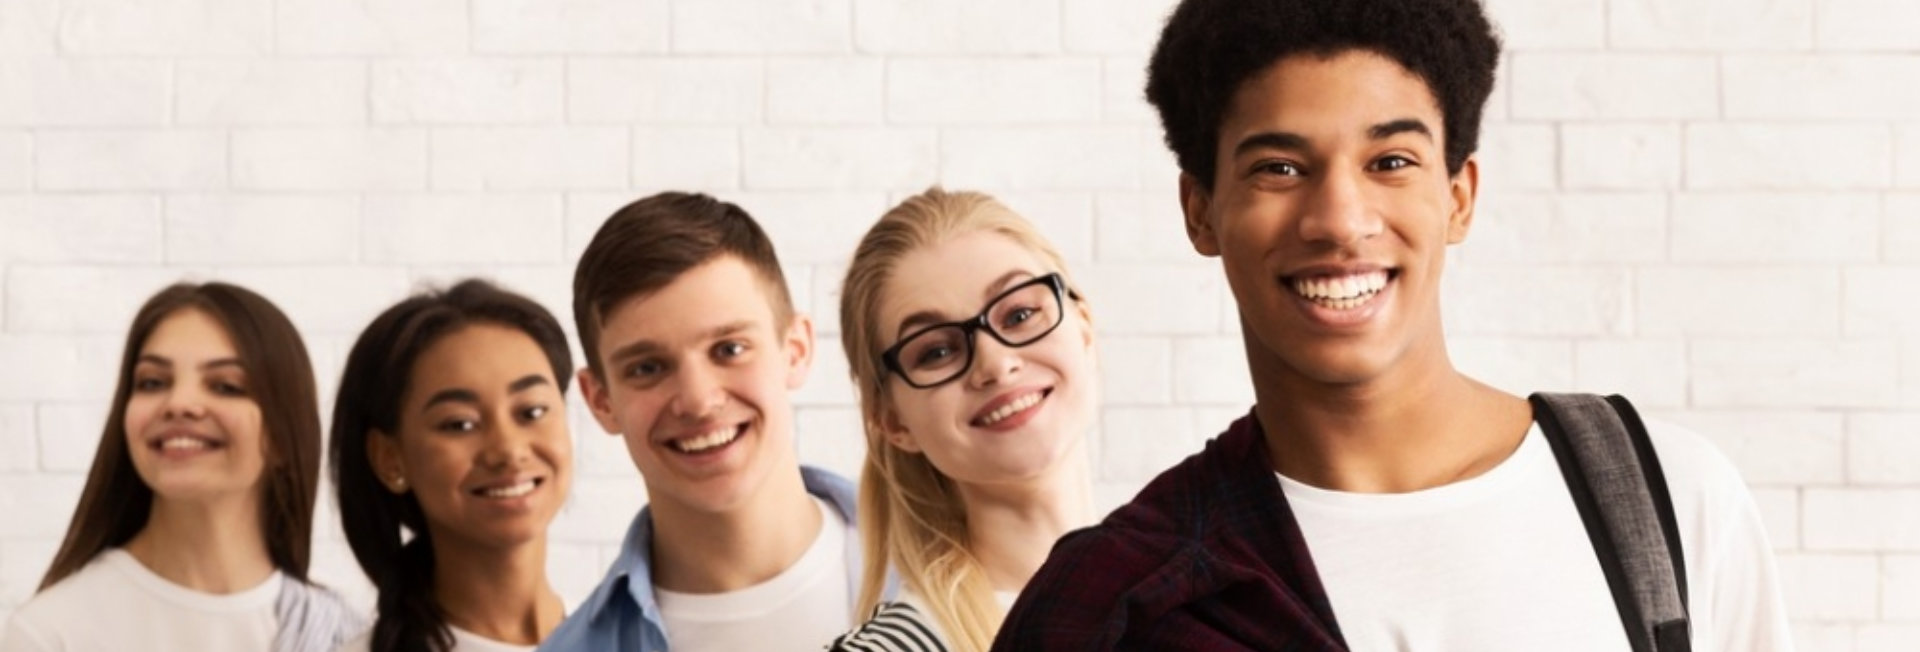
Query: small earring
{"type": "Point", "coordinates": [399, 484]}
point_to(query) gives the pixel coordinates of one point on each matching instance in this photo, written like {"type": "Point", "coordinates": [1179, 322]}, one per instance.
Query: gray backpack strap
{"type": "Point", "coordinates": [1610, 468]}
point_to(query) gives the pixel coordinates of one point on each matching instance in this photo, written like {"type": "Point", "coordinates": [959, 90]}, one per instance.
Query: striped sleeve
{"type": "Point", "coordinates": [895, 627]}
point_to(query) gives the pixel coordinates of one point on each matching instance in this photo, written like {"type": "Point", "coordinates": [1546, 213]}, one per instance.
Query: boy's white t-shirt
{"type": "Point", "coordinates": [1502, 561]}
{"type": "Point", "coordinates": [802, 608]}
{"type": "Point", "coordinates": [115, 603]}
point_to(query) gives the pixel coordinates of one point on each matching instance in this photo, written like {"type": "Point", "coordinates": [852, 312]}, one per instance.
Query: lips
{"type": "Point", "coordinates": [1340, 289]}
{"type": "Point", "coordinates": [183, 441]}
{"type": "Point", "coordinates": [707, 439]}
{"type": "Point", "coordinates": [510, 488]}
{"type": "Point", "coordinates": [1010, 405]}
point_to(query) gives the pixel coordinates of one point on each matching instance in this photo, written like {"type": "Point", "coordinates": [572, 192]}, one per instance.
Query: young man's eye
{"type": "Point", "coordinates": [729, 349]}
{"type": "Point", "coordinates": [645, 369]}
{"type": "Point", "coordinates": [1391, 163]}
{"type": "Point", "coordinates": [1279, 168]}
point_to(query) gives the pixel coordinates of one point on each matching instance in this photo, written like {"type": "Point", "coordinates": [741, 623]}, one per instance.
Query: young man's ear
{"type": "Point", "coordinates": [1196, 203]}
{"type": "Point", "coordinates": [383, 454]}
{"type": "Point", "coordinates": [798, 349]}
{"type": "Point", "coordinates": [1465, 188]}
{"type": "Point", "coordinates": [594, 394]}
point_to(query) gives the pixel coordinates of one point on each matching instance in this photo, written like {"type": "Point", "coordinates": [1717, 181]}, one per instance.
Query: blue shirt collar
{"type": "Point", "coordinates": [632, 572]}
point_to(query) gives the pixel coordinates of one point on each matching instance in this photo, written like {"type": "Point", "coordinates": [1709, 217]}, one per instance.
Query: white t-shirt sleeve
{"type": "Point", "coordinates": [1733, 584]}
{"type": "Point", "coordinates": [20, 637]}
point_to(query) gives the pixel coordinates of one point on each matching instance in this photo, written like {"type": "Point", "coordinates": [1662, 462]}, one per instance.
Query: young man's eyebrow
{"type": "Point", "coordinates": [1393, 128]}
{"type": "Point", "coordinates": [641, 347]}
{"type": "Point", "coordinates": [1270, 140]}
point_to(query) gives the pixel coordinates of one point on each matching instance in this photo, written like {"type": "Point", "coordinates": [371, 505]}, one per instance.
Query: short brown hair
{"type": "Point", "coordinates": [115, 503]}
{"type": "Point", "coordinates": [647, 244]}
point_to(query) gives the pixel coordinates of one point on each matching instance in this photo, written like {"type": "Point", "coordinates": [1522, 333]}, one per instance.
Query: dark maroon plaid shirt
{"type": "Point", "coordinates": [1207, 557]}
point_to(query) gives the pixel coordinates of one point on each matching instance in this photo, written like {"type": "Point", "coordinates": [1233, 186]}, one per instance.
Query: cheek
{"type": "Point", "coordinates": [436, 465]}
{"type": "Point", "coordinates": [140, 413]}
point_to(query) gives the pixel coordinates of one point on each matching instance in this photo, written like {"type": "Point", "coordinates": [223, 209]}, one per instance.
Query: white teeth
{"type": "Point", "coordinates": [1018, 405]}
{"type": "Point", "coordinates": [1343, 292]}
{"type": "Point", "coordinates": [708, 441]}
{"type": "Point", "coordinates": [183, 443]}
{"type": "Point", "coordinates": [514, 491]}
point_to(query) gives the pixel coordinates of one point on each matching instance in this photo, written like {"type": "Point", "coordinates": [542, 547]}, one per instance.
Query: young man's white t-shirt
{"type": "Point", "coordinates": [116, 603]}
{"type": "Point", "coordinates": [802, 608]}
{"type": "Point", "coordinates": [1502, 561]}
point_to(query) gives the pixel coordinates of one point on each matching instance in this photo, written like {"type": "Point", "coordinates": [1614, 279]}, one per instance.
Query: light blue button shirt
{"type": "Point", "coordinates": [622, 615]}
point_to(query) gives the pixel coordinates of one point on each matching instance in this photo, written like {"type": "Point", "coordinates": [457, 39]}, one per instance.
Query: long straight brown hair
{"type": "Point", "coordinates": [116, 502]}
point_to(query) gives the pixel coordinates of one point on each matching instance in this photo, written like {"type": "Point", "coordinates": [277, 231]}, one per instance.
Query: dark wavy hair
{"type": "Point", "coordinates": [116, 502]}
{"type": "Point", "coordinates": [1209, 48]}
{"type": "Point", "coordinates": [379, 369]}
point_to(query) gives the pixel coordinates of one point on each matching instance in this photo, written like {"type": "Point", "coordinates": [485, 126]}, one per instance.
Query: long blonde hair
{"type": "Point", "coordinates": [911, 515]}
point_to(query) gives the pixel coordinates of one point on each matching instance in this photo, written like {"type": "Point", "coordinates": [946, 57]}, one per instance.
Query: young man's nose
{"type": "Point", "coordinates": [1338, 210]}
{"type": "Point", "coordinates": [698, 392]}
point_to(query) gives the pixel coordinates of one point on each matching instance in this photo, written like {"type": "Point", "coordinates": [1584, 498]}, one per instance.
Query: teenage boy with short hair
{"type": "Point", "coordinates": [1375, 498]}
{"type": "Point", "coordinates": [692, 348]}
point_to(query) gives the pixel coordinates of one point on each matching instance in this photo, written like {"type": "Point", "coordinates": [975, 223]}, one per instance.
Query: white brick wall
{"type": "Point", "coordinates": [1719, 217]}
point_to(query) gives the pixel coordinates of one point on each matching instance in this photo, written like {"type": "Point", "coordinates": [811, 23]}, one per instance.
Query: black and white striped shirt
{"type": "Point", "coordinates": [894, 627]}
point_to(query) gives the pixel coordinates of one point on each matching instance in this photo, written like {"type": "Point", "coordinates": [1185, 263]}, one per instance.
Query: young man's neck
{"type": "Point", "coordinates": [212, 546]}
{"type": "Point", "coordinates": [697, 551]}
{"type": "Point", "coordinates": [1422, 424]}
{"type": "Point", "coordinates": [1012, 528]}
{"type": "Point", "coordinates": [498, 593]}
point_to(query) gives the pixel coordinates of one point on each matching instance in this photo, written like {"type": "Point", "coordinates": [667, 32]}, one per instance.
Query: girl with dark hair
{"type": "Point", "coordinates": [451, 454]}
{"type": "Point", "coordinates": [193, 530]}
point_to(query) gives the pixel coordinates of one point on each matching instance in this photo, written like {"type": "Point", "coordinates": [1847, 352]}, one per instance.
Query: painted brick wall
{"type": "Point", "coordinates": [1713, 205]}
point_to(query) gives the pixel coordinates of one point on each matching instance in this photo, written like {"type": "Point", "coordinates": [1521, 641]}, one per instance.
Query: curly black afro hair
{"type": "Point", "coordinates": [1210, 47]}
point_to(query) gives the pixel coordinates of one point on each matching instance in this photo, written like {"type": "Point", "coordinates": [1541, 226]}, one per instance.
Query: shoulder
{"type": "Point", "coordinates": [1698, 474]}
{"type": "Point", "coordinates": [73, 601]}
{"type": "Point", "coordinates": [361, 643]}
{"type": "Point", "coordinates": [894, 627]}
{"type": "Point", "coordinates": [832, 487]}
{"type": "Point", "coordinates": [311, 612]}
{"type": "Point", "coordinates": [604, 611]}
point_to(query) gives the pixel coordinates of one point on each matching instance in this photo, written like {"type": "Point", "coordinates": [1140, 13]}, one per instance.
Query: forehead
{"type": "Point", "coordinates": [481, 357]}
{"type": "Point", "coordinates": [1324, 96]}
{"type": "Point", "coordinates": [953, 277]}
{"type": "Point", "coordinates": [721, 291]}
{"type": "Point", "coordinates": [189, 335]}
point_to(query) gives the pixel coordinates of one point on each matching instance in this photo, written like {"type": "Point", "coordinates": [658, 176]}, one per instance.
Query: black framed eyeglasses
{"type": "Point", "coordinates": [1019, 316]}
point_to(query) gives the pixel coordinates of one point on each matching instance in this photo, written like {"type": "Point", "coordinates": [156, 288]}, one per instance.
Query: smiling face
{"type": "Point", "coordinates": [697, 381]}
{"type": "Point", "coordinates": [192, 426]}
{"type": "Point", "coordinates": [1331, 211]}
{"type": "Point", "coordinates": [482, 442]}
{"type": "Point", "coordinates": [1016, 412]}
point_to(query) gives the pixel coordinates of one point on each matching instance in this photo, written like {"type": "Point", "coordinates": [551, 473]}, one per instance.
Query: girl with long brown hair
{"type": "Point", "coordinates": [193, 530]}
